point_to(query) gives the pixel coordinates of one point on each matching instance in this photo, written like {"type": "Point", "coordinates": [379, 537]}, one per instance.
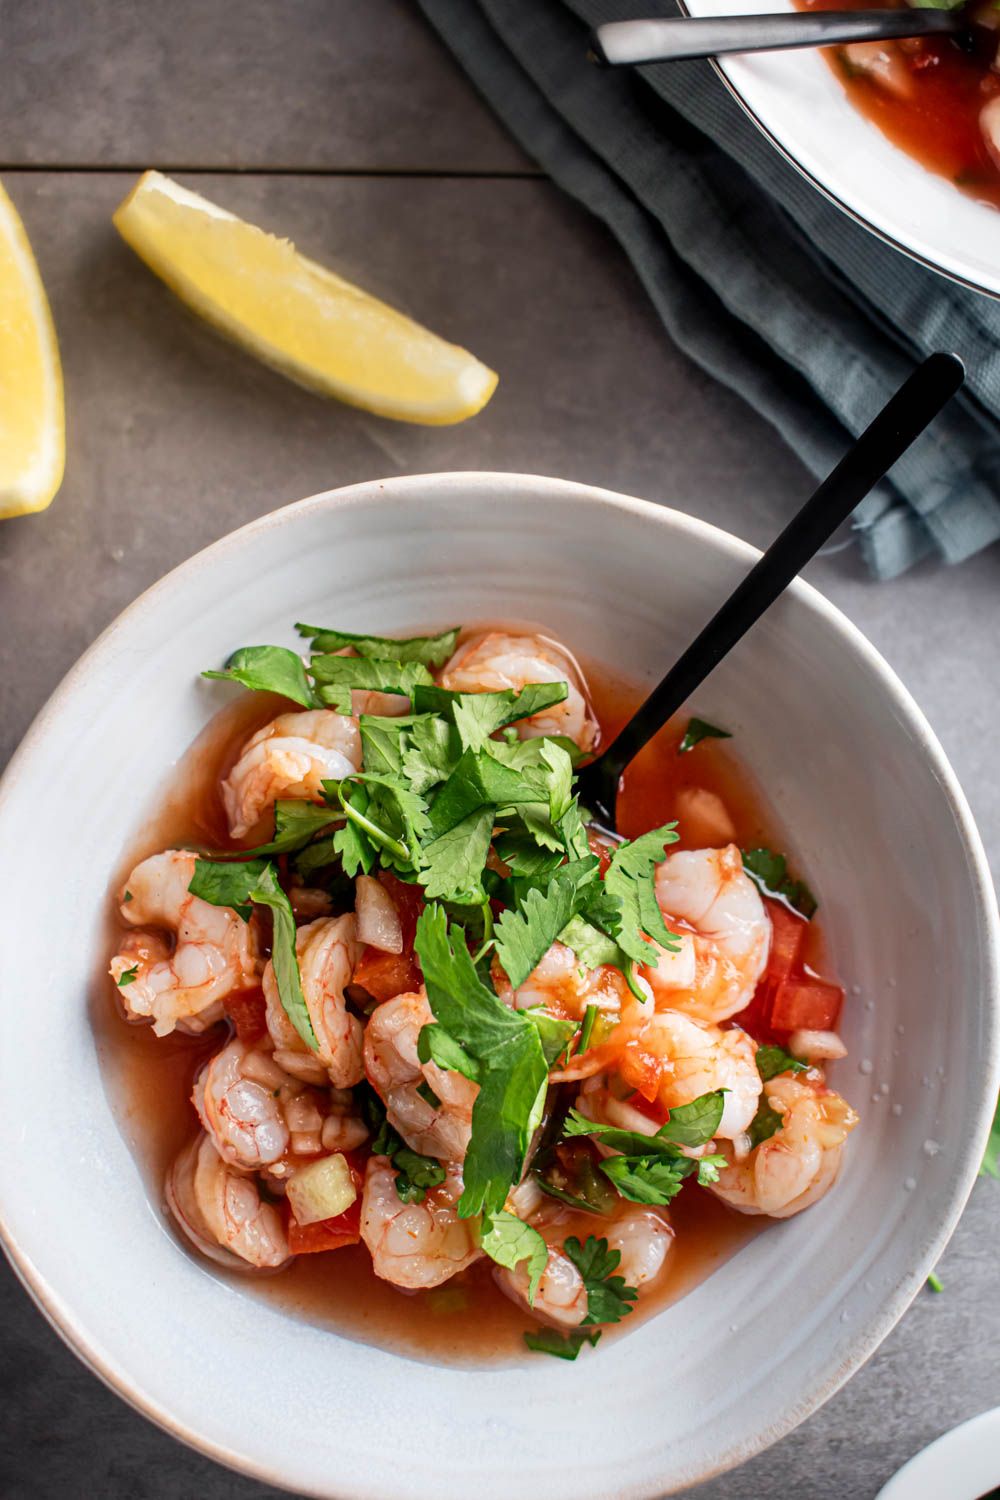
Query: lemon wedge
{"type": "Point", "coordinates": [32, 423]}
{"type": "Point", "coordinates": [296, 315]}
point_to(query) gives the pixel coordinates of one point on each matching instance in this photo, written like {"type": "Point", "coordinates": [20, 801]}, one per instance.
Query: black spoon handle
{"type": "Point", "coordinates": [677, 37]}
{"type": "Point", "coordinates": [905, 416]}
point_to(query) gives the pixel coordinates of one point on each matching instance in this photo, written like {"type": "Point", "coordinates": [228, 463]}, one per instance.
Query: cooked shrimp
{"type": "Point", "coordinates": [328, 953]}
{"type": "Point", "coordinates": [258, 1116]}
{"type": "Point", "coordinates": [494, 662]}
{"type": "Point", "coordinates": [799, 1163]}
{"type": "Point", "coordinates": [244, 1118]}
{"type": "Point", "coordinates": [561, 986]}
{"type": "Point", "coordinates": [214, 952]}
{"type": "Point", "coordinates": [289, 758]}
{"type": "Point", "coordinates": [724, 929]}
{"type": "Point", "coordinates": [396, 1073]}
{"type": "Point", "coordinates": [561, 1297]}
{"type": "Point", "coordinates": [672, 1059]}
{"type": "Point", "coordinates": [642, 1237]}
{"type": "Point", "coordinates": [415, 1245]}
{"type": "Point", "coordinates": [221, 1211]}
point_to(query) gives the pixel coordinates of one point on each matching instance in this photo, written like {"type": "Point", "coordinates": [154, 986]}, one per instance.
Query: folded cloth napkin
{"type": "Point", "coordinates": [755, 275]}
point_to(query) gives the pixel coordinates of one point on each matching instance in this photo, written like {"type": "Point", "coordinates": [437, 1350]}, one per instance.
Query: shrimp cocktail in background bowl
{"type": "Point", "coordinates": [387, 1070]}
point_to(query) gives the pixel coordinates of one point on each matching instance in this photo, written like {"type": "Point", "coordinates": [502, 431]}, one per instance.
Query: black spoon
{"type": "Point", "coordinates": [673, 38]}
{"type": "Point", "coordinates": [901, 420]}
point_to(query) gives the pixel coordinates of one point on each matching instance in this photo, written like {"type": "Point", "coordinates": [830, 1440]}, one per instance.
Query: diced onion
{"type": "Point", "coordinates": [816, 1046]}
{"type": "Point", "coordinates": [378, 920]}
{"type": "Point", "coordinates": [322, 1190]}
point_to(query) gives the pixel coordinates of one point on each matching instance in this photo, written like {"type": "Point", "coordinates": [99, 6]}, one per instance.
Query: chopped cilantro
{"type": "Point", "coordinates": [336, 677]}
{"type": "Point", "coordinates": [629, 877]}
{"type": "Point", "coordinates": [269, 669]}
{"type": "Point", "coordinates": [765, 1123]}
{"type": "Point", "coordinates": [507, 1240]}
{"type": "Point", "coordinates": [698, 730]}
{"type": "Point", "coordinates": [608, 1298]}
{"type": "Point", "coordinates": [651, 1168]}
{"type": "Point", "coordinates": [525, 936]}
{"type": "Point", "coordinates": [508, 1055]}
{"type": "Point", "coordinates": [772, 1060]}
{"type": "Point", "coordinates": [555, 1034]}
{"type": "Point", "coordinates": [128, 976]}
{"type": "Point", "coordinates": [935, 1283]}
{"type": "Point", "coordinates": [562, 1345]}
{"type": "Point", "coordinates": [256, 882]}
{"type": "Point", "coordinates": [455, 860]}
{"type": "Point", "coordinates": [769, 871]}
{"type": "Point", "coordinates": [296, 823]}
{"type": "Point", "coordinates": [478, 716]}
{"type": "Point", "coordinates": [428, 1095]}
{"type": "Point", "coordinates": [431, 650]}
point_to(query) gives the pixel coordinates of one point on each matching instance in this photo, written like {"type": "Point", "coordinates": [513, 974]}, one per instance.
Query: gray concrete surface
{"type": "Point", "coordinates": [355, 136]}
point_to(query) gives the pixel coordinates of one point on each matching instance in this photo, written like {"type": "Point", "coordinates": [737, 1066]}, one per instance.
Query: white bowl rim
{"type": "Point", "coordinates": [853, 211]}
{"type": "Point", "coordinates": [86, 1344]}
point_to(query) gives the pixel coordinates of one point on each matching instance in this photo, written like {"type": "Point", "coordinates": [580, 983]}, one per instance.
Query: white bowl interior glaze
{"type": "Point", "coordinates": [798, 101]}
{"type": "Point", "coordinates": [876, 822]}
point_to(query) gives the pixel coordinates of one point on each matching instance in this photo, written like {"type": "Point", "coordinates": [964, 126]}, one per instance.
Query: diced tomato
{"type": "Point", "coordinates": [325, 1234]}
{"type": "Point", "coordinates": [651, 1108]}
{"type": "Point", "coordinates": [248, 1013]}
{"type": "Point", "coordinates": [788, 935]}
{"type": "Point", "coordinates": [603, 850]}
{"type": "Point", "coordinates": [806, 1004]}
{"type": "Point", "coordinates": [386, 975]}
{"type": "Point", "coordinates": [409, 902]}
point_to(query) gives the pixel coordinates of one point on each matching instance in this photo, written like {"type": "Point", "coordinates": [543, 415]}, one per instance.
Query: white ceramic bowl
{"type": "Point", "coordinates": [875, 818]}
{"type": "Point", "coordinates": [798, 102]}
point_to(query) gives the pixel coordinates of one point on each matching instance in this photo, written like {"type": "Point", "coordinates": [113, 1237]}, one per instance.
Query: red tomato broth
{"type": "Point", "coordinates": [939, 124]}
{"type": "Point", "coordinates": [149, 1079]}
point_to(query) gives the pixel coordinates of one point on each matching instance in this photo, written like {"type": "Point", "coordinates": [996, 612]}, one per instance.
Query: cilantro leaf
{"type": "Point", "coordinates": [647, 1179]}
{"type": "Point", "coordinates": [554, 1034]}
{"type": "Point", "coordinates": [478, 716]}
{"type": "Point", "coordinates": [523, 856]}
{"type": "Point", "coordinates": [608, 1298]}
{"type": "Point", "coordinates": [698, 730]}
{"type": "Point", "coordinates": [382, 742]}
{"type": "Point", "coordinates": [256, 881]}
{"type": "Point", "coordinates": [296, 822]}
{"type": "Point", "coordinates": [772, 1060]}
{"type": "Point", "coordinates": [765, 1123]}
{"type": "Point", "coordinates": [395, 819]}
{"type": "Point", "coordinates": [454, 861]}
{"type": "Point", "coordinates": [431, 650]}
{"type": "Point", "coordinates": [508, 1051]}
{"type": "Point", "coordinates": [269, 669]}
{"type": "Point", "coordinates": [477, 781]}
{"type": "Point", "coordinates": [337, 676]}
{"type": "Point", "coordinates": [769, 871]}
{"type": "Point", "coordinates": [689, 1125]}
{"type": "Point", "coordinates": [127, 977]}
{"type": "Point", "coordinates": [561, 1345]}
{"type": "Point", "coordinates": [629, 878]}
{"type": "Point", "coordinates": [434, 1044]}
{"type": "Point", "coordinates": [709, 1168]}
{"type": "Point", "coordinates": [507, 1240]}
{"type": "Point", "coordinates": [592, 946]}
{"type": "Point", "coordinates": [431, 752]}
{"type": "Point", "coordinates": [524, 937]}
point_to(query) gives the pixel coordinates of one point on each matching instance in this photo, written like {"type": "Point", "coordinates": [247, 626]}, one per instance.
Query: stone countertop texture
{"type": "Point", "coordinates": [345, 126]}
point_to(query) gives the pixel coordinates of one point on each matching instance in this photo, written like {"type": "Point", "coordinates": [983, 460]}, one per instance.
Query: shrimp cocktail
{"type": "Point", "coordinates": [414, 1025]}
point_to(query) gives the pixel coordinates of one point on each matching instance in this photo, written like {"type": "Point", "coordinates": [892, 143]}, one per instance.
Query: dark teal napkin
{"type": "Point", "coordinates": [755, 275]}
